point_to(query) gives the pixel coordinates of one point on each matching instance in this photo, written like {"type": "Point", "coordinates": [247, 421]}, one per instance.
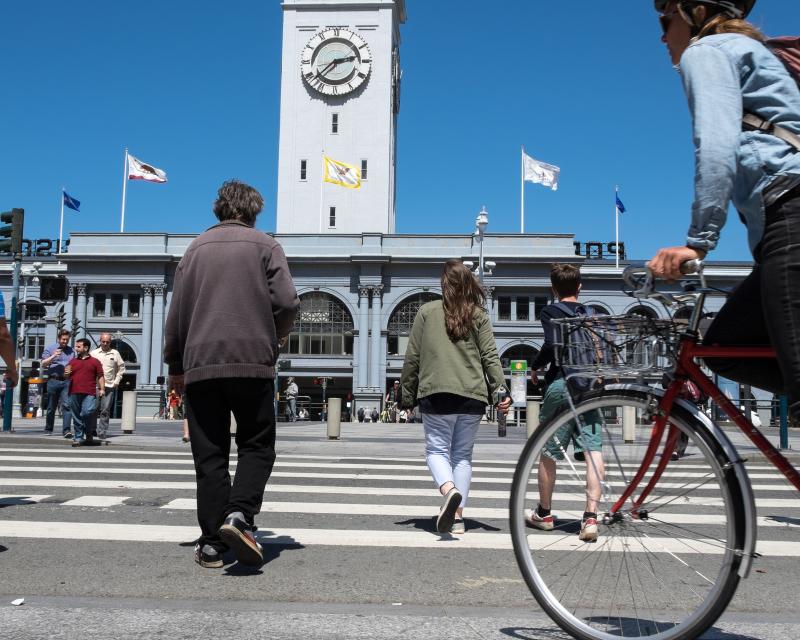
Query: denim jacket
{"type": "Point", "coordinates": [726, 76]}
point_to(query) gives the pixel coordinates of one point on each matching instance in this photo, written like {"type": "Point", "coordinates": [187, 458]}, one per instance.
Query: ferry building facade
{"type": "Point", "coordinates": [360, 283]}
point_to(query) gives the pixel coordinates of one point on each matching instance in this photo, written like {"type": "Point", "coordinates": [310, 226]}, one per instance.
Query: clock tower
{"type": "Point", "coordinates": [340, 96]}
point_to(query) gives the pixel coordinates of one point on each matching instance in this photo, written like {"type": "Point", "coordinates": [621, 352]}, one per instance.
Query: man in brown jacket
{"type": "Point", "coordinates": [233, 301]}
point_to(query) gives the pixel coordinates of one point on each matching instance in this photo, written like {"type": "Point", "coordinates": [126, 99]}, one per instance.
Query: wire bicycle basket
{"type": "Point", "coordinates": [616, 346]}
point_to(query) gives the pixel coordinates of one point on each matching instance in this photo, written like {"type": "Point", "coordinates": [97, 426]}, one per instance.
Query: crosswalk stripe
{"type": "Point", "coordinates": [370, 538]}
{"type": "Point", "coordinates": [364, 477]}
{"type": "Point", "coordinates": [674, 470]}
{"type": "Point", "coordinates": [273, 488]}
{"type": "Point", "coordinates": [406, 510]}
{"type": "Point", "coordinates": [60, 453]}
{"type": "Point", "coordinates": [95, 501]}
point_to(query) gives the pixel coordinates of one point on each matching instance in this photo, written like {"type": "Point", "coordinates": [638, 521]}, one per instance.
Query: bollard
{"type": "Point", "coordinates": [628, 424]}
{"type": "Point", "coordinates": [784, 429]}
{"type": "Point", "coordinates": [532, 416]}
{"type": "Point", "coordinates": [128, 411]}
{"type": "Point", "coordinates": [334, 411]}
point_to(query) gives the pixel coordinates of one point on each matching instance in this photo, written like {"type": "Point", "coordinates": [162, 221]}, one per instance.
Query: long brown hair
{"type": "Point", "coordinates": [723, 23]}
{"type": "Point", "coordinates": [461, 294]}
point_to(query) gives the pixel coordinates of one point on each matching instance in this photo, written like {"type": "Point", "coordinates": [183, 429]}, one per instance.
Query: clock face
{"type": "Point", "coordinates": [335, 62]}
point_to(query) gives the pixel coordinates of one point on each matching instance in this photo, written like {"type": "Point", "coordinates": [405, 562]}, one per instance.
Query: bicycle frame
{"type": "Point", "coordinates": [687, 368]}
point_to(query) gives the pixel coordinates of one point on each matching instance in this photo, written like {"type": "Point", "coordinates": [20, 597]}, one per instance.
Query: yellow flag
{"type": "Point", "coordinates": [342, 173]}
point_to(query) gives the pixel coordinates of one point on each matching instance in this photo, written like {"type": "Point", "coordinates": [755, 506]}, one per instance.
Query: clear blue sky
{"type": "Point", "coordinates": [193, 88]}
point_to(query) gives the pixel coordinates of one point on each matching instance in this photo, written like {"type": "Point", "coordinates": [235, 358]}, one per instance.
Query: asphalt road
{"type": "Point", "coordinates": [99, 543]}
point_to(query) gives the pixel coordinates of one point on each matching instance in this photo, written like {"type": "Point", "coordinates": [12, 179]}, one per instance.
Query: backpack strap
{"type": "Point", "coordinates": [754, 123]}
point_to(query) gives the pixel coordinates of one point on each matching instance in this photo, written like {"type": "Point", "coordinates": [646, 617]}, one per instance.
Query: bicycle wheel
{"type": "Point", "coordinates": [665, 571]}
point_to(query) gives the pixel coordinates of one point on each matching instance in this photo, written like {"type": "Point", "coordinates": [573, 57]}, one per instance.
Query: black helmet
{"type": "Point", "coordinates": [734, 8]}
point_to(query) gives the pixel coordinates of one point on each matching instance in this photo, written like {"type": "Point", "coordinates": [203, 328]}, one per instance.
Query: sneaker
{"type": "Point", "coordinates": [536, 521]}
{"type": "Point", "coordinates": [68, 435]}
{"type": "Point", "coordinates": [101, 436]}
{"type": "Point", "coordinates": [675, 456]}
{"type": "Point", "coordinates": [207, 556]}
{"type": "Point", "coordinates": [588, 530]}
{"type": "Point", "coordinates": [448, 511]}
{"type": "Point", "coordinates": [237, 534]}
{"type": "Point", "coordinates": [458, 527]}
{"type": "Point", "coordinates": [48, 432]}
{"type": "Point", "coordinates": [77, 443]}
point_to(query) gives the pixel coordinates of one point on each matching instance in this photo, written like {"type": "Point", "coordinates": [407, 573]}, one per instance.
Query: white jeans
{"type": "Point", "coordinates": [449, 440]}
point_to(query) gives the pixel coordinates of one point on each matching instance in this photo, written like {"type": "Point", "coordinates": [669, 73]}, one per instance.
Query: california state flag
{"type": "Point", "coordinates": [138, 170]}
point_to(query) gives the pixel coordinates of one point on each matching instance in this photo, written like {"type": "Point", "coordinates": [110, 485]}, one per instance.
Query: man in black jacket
{"type": "Point", "coordinates": [233, 301]}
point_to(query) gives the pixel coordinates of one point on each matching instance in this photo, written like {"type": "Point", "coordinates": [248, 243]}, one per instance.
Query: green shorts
{"type": "Point", "coordinates": [586, 438]}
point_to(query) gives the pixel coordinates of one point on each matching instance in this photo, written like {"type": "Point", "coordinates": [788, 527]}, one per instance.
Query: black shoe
{"type": "Point", "coordinates": [68, 435]}
{"type": "Point", "coordinates": [78, 443]}
{"type": "Point", "coordinates": [237, 534]}
{"type": "Point", "coordinates": [207, 556]}
{"type": "Point", "coordinates": [102, 436]}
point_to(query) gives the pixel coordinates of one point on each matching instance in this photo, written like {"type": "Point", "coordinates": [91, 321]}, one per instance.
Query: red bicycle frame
{"type": "Point", "coordinates": [687, 368]}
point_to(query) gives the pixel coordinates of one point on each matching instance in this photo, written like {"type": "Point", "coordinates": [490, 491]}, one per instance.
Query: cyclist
{"type": "Point", "coordinates": [728, 73]}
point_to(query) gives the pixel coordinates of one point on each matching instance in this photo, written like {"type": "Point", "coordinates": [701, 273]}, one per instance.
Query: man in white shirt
{"type": "Point", "coordinates": [113, 368]}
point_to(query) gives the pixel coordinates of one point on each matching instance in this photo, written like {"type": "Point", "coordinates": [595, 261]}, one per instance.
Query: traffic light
{"type": "Point", "coordinates": [13, 221]}
{"type": "Point", "coordinates": [61, 319]}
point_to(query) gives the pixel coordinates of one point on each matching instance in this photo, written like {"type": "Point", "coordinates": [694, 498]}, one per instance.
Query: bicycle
{"type": "Point", "coordinates": [676, 537]}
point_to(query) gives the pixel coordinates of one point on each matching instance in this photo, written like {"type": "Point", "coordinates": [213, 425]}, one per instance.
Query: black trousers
{"type": "Point", "coordinates": [210, 404]}
{"type": "Point", "coordinates": [765, 309]}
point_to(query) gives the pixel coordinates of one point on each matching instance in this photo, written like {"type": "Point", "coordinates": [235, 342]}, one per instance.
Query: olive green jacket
{"type": "Point", "coordinates": [436, 364]}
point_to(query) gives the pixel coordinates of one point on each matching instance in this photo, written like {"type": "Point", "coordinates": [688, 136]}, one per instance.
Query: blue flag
{"type": "Point", "coordinates": [71, 203]}
{"type": "Point", "coordinates": [620, 206]}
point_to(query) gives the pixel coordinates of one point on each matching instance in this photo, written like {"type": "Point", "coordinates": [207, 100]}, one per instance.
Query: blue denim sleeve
{"type": "Point", "coordinates": [711, 82]}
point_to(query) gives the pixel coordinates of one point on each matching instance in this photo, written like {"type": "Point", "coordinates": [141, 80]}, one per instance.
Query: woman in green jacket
{"type": "Point", "coordinates": [451, 353]}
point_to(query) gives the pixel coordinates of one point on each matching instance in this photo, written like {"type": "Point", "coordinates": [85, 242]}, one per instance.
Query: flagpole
{"type": "Point", "coordinates": [616, 217]}
{"type": "Point", "coordinates": [522, 192]}
{"type": "Point", "coordinates": [124, 187]}
{"type": "Point", "coordinates": [61, 226]}
{"type": "Point", "coordinates": [321, 185]}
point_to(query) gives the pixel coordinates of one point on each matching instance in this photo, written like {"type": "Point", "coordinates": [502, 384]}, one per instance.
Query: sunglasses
{"type": "Point", "coordinates": [667, 18]}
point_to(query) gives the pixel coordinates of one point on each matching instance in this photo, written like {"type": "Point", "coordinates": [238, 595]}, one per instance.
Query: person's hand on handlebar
{"type": "Point", "coordinates": [667, 262]}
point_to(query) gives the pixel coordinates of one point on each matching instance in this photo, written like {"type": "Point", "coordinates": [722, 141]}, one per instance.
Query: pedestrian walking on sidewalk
{"type": "Point", "coordinates": [113, 368]}
{"type": "Point", "coordinates": [233, 302]}
{"type": "Point", "coordinates": [86, 382]}
{"type": "Point", "coordinates": [450, 355]}
{"type": "Point", "coordinates": [55, 358]}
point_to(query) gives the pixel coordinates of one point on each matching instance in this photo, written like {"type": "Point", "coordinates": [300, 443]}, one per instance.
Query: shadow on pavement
{"type": "Point", "coordinates": [16, 501]}
{"type": "Point", "coordinates": [622, 627]}
{"type": "Point", "coordinates": [429, 525]}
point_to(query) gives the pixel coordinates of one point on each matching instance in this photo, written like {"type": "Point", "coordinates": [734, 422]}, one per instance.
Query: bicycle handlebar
{"type": "Point", "coordinates": [641, 281]}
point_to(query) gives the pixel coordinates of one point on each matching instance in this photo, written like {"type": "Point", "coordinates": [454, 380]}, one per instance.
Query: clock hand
{"type": "Point", "coordinates": [334, 63]}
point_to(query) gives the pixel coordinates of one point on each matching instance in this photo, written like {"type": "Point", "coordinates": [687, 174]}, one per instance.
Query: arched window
{"type": "Point", "coordinates": [600, 310]}
{"type": "Point", "coordinates": [323, 326]}
{"type": "Point", "coordinates": [519, 352]}
{"type": "Point", "coordinates": [643, 311]}
{"type": "Point", "coordinates": [33, 310]}
{"type": "Point", "coordinates": [401, 321]}
{"type": "Point", "coordinates": [125, 350]}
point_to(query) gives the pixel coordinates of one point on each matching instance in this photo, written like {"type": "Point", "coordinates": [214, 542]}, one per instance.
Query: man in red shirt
{"type": "Point", "coordinates": [86, 382]}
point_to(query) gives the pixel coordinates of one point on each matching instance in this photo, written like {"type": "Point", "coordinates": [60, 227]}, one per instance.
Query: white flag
{"type": "Point", "coordinates": [541, 172]}
{"type": "Point", "coordinates": [138, 170]}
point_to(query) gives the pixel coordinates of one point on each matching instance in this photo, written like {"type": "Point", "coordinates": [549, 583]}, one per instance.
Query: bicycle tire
{"type": "Point", "coordinates": [570, 616]}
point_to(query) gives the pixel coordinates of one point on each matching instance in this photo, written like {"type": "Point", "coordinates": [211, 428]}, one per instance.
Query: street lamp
{"type": "Point", "coordinates": [481, 222]}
